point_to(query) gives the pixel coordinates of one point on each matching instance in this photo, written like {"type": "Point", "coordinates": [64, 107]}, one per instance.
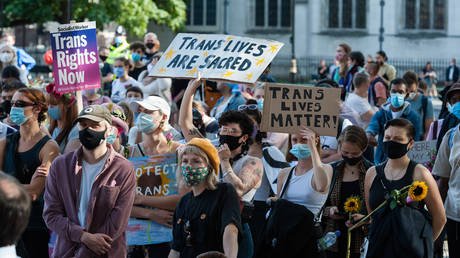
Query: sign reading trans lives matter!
{"type": "Point", "coordinates": [288, 107]}
{"type": "Point", "coordinates": [216, 56]}
{"type": "Point", "coordinates": [75, 57]}
{"type": "Point", "coordinates": [156, 176]}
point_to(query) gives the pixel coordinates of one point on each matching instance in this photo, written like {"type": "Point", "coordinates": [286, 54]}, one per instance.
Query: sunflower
{"type": "Point", "coordinates": [418, 191]}
{"type": "Point", "coordinates": [352, 204]}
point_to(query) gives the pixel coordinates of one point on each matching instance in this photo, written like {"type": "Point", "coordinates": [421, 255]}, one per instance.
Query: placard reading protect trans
{"type": "Point", "coordinates": [75, 57]}
{"type": "Point", "coordinates": [216, 56]}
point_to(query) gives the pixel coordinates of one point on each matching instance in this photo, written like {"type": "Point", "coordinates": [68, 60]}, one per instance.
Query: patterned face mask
{"type": "Point", "coordinates": [194, 176]}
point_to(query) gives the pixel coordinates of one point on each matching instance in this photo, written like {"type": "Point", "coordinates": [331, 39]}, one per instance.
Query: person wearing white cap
{"type": "Point", "coordinates": [152, 121]}
{"type": "Point", "coordinates": [144, 121]}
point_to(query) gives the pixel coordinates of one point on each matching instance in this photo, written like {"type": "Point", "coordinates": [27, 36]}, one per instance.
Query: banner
{"type": "Point", "coordinates": [216, 56]}
{"type": "Point", "coordinates": [75, 57]}
{"type": "Point", "coordinates": [288, 107]}
{"type": "Point", "coordinates": [156, 176]}
{"type": "Point", "coordinates": [423, 152]}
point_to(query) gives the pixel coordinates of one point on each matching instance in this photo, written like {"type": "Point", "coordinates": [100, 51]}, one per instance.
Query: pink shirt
{"type": "Point", "coordinates": [109, 207]}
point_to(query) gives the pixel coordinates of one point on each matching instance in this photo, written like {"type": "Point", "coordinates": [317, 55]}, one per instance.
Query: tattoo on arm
{"type": "Point", "coordinates": [195, 132]}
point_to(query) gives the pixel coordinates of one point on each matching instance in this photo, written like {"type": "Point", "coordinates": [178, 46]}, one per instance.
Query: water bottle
{"type": "Point", "coordinates": [328, 240]}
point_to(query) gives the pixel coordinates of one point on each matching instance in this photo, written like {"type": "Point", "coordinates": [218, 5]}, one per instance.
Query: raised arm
{"type": "Point", "coordinates": [186, 111]}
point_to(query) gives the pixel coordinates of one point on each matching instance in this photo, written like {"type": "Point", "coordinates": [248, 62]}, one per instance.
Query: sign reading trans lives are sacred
{"type": "Point", "coordinates": [156, 176]}
{"type": "Point", "coordinates": [75, 57]}
{"type": "Point", "coordinates": [216, 56]}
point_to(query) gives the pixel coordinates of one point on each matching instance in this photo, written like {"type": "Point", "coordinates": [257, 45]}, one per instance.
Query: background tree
{"type": "Point", "coordinates": [134, 15]}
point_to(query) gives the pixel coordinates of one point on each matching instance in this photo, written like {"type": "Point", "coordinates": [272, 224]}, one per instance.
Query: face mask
{"type": "Point", "coordinates": [90, 139]}
{"type": "Point", "coordinates": [231, 141]}
{"type": "Point", "coordinates": [131, 100]}
{"type": "Point", "coordinates": [449, 107]}
{"type": "Point", "coordinates": [6, 57]}
{"type": "Point", "coordinates": [300, 151]}
{"type": "Point", "coordinates": [103, 58]}
{"type": "Point", "coordinates": [260, 104]}
{"type": "Point", "coordinates": [395, 150]}
{"type": "Point", "coordinates": [136, 57]}
{"type": "Point", "coordinates": [412, 96]}
{"type": "Point", "coordinates": [194, 176]}
{"type": "Point", "coordinates": [119, 71]}
{"type": "Point", "coordinates": [150, 45]}
{"type": "Point", "coordinates": [54, 112]}
{"type": "Point", "coordinates": [146, 123]}
{"type": "Point", "coordinates": [455, 110]}
{"type": "Point", "coordinates": [397, 100]}
{"type": "Point", "coordinates": [17, 116]}
{"type": "Point", "coordinates": [111, 138]}
{"type": "Point", "coordinates": [118, 40]}
{"type": "Point", "coordinates": [351, 161]}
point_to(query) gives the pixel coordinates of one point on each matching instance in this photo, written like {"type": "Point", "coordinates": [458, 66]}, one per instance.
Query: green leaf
{"type": "Point", "coordinates": [393, 204]}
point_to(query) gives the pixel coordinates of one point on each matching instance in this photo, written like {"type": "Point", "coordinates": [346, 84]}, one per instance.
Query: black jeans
{"type": "Point", "coordinates": [453, 237]}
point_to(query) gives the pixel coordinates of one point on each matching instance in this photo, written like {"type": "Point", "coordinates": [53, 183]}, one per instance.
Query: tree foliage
{"type": "Point", "coordinates": [134, 15]}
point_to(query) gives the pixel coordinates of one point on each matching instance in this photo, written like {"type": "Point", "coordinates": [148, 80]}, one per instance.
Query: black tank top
{"type": "Point", "coordinates": [381, 185]}
{"type": "Point", "coordinates": [27, 162]}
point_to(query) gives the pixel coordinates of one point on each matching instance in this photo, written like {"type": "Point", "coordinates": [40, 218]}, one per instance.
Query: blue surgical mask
{"type": "Point", "coordinates": [449, 107]}
{"type": "Point", "coordinates": [136, 57]}
{"type": "Point", "coordinates": [118, 40]}
{"type": "Point", "coordinates": [300, 151]}
{"type": "Point", "coordinates": [119, 71]}
{"type": "Point", "coordinates": [54, 112]}
{"type": "Point", "coordinates": [146, 123]}
{"type": "Point", "coordinates": [455, 110]}
{"type": "Point", "coordinates": [397, 100]}
{"type": "Point", "coordinates": [17, 116]}
{"type": "Point", "coordinates": [111, 138]}
{"type": "Point", "coordinates": [260, 104]}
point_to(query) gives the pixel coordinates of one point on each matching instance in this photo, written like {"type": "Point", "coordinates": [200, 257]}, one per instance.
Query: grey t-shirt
{"type": "Point", "coordinates": [447, 165]}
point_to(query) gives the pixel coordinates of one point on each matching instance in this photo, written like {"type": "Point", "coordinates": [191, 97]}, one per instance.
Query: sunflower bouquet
{"type": "Point", "coordinates": [352, 205]}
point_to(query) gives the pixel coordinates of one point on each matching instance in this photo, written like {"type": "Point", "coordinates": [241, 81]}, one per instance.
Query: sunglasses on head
{"type": "Point", "coordinates": [20, 103]}
{"type": "Point", "coordinates": [247, 107]}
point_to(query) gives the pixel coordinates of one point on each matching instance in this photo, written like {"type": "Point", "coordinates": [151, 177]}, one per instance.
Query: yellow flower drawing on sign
{"type": "Point", "coordinates": [162, 70]}
{"type": "Point", "coordinates": [228, 73]}
{"type": "Point", "coordinates": [249, 76]}
{"type": "Point", "coordinates": [169, 54]}
{"type": "Point", "coordinates": [205, 53]}
{"type": "Point", "coordinates": [273, 48]}
{"type": "Point", "coordinates": [191, 72]}
{"type": "Point", "coordinates": [260, 61]}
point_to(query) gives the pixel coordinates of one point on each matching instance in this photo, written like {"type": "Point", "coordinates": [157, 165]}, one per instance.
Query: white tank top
{"type": "Point", "coordinates": [300, 191]}
{"type": "Point", "coordinates": [237, 166]}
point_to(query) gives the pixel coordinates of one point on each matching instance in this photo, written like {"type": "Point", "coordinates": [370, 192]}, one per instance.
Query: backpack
{"type": "Point", "coordinates": [371, 92]}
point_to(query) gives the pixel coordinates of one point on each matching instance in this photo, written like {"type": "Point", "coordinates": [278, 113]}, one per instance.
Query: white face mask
{"type": "Point", "coordinates": [412, 95]}
{"type": "Point", "coordinates": [6, 57]}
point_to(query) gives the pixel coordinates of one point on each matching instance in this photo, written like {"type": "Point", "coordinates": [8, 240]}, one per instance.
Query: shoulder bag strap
{"type": "Point", "coordinates": [331, 188]}
{"type": "Point", "coordinates": [272, 162]}
{"type": "Point", "coordinates": [286, 184]}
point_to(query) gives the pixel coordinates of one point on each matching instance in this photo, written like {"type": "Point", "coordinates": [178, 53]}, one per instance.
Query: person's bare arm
{"type": "Point", "coordinates": [107, 78]}
{"type": "Point", "coordinates": [2, 151]}
{"type": "Point", "coordinates": [173, 254]}
{"type": "Point", "coordinates": [162, 217]}
{"type": "Point", "coordinates": [433, 200]}
{"type": "Point", "coordinates": [428, 122]}
{"type": "Point", "coordinates": [230, 241]}
{"type": "Point", "coordinates": [282, 176]}
{"type": "Point", "coordinates": [249, 177]}
{"type": "Point", "coordinates": [366, 117]}
{"type": "Point", "coordinates": [370, 175]}
{"type": "Point", "coordinates": [186, 111]}
{"type": "Point", "coordinates": [381, 101]}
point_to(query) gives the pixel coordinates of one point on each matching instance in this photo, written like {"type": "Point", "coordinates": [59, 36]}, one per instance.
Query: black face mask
{"type": "Point", "coordinates": [351, 161]}
{"type": "Point", "coordinates": [149, 45]}
{"type": "Point", "coordinates": [90, 139]}
{"type": "Point", "coordinates": [232, 141]}
{"type": "Point", "coordinates": [395, 150]}
{"type": "Point", "coordinates": [103, 58]}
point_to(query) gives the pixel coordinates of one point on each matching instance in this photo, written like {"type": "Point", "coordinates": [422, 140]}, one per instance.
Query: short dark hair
{"type": "Point", "coordinates": [15, 208]}
{"type": "Point", "coordinates": [383, 54]}
{"type": "Point", "coordinates": [410, 77]}
{"type": "Point", "coordinates": [358, 57]}
{"type": "Point", "coordinates": [327, 83]}
{"type": "Point", "coordinates": [124, 60]}
{"type": "Point", "coordinates": [10, 71]}
{"type": "Point", "coordinates": [403, 123]}
{"type": "Point", "coordinates": [398, 81]}
{"type": "Point", "coordinates": [257, 116]}
{"type": "Point", "coordinates": [240, 118]}
{"type": "Point", "coordinates": [135, 89]}
{"type": "Point", "coordinates": [137, 45]}
{"type": "Point", "coordinates": [13, 85]}
{"type": "Point", "coordinates": [360, 78]}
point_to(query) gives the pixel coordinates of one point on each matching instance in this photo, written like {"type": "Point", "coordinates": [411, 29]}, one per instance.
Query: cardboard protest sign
{"type": "Point", "coordinates": [287, 107]}
{"type": "Point", "coordinates": [423, 152]}
{"type": "Point", "coordinates": [156, 176]}
{"type": "Point", "coordinates": [216, 56]}
{"type": "Point", "coordinates": [75, 57]}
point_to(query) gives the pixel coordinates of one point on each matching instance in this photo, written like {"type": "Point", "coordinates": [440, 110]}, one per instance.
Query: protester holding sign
{"type": "Point", "coordinates": [27, 155]}
{"type": "Point", "coordinates": [155, 192]}
{"type": "Point", "coordinates": [208, 217]}
{"type": "Point", "coordinates": [90, 192]}
{"type": "Point", "coordinates": [398, 230]}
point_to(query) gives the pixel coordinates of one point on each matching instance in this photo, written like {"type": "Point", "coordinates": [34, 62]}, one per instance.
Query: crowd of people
{"type": "Point", "coordinates": [69, 187]}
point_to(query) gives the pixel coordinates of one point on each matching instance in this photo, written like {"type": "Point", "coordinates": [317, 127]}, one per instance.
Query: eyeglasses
{"type": "Point", "coordinates": [188, 238]}
{"type": "Point", "coordinates": [248, 107]}
{"type": "Point", "coordinates": [228, 131]}
{"type": "Point", "coordinates": [20, 103]}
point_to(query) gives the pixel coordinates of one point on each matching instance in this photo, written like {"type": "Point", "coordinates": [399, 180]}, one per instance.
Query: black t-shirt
{"type": "Point", "coordinates": [106, 69]}
{"type": "Point", "coordinates": [203, 218]}
{"type": "Point", "coordinates": [136, 71]}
